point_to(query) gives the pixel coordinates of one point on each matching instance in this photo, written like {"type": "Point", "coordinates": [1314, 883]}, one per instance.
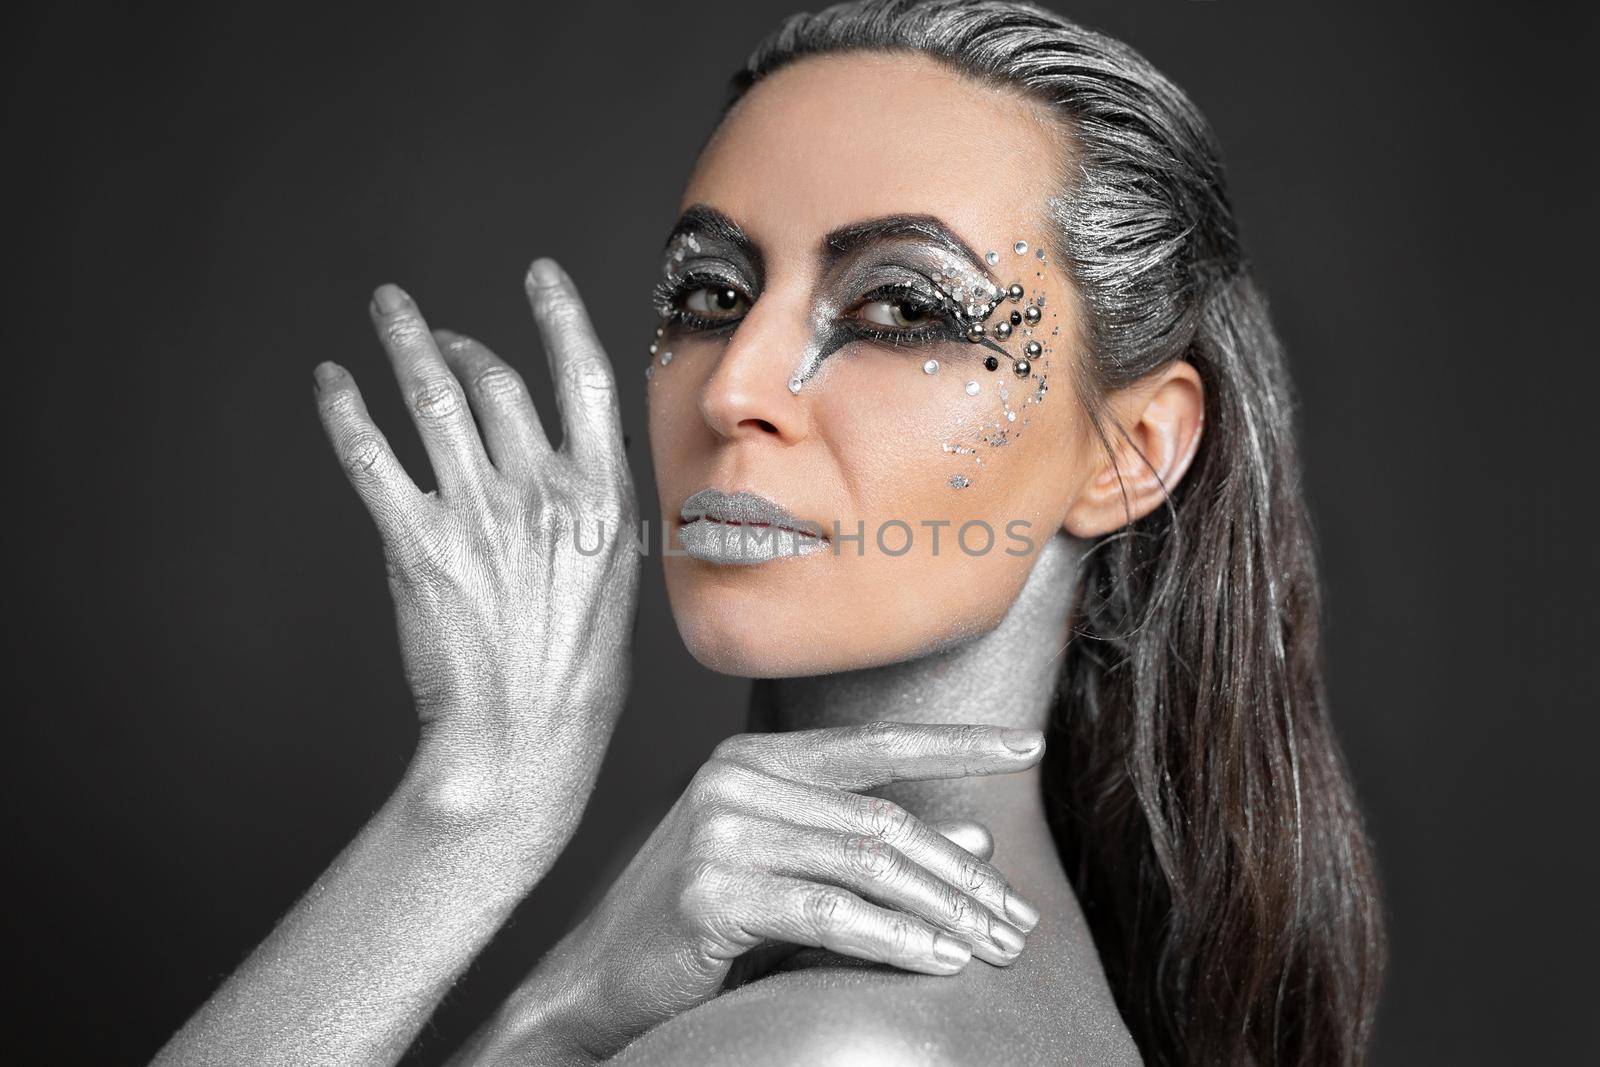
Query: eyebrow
{"type": "Point", "coordinates": [703, 220]}
{"type": "Point", "coordinates": [847, 239]}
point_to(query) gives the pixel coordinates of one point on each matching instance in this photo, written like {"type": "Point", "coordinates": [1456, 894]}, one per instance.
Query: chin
{"type": "Point", "coordinates": [729, 645]}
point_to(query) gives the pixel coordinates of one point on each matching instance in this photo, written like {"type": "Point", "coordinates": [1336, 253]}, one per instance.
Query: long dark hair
{"type": "Point", "coordinates": [1195, 790]}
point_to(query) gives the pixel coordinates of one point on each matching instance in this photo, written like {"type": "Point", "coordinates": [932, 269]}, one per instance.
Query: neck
{"type": "Point", "coordinates": [1005, 677]}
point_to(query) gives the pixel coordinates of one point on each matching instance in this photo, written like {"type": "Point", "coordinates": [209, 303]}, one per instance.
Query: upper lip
{"type": "Point", "coordinates": [746, 508]}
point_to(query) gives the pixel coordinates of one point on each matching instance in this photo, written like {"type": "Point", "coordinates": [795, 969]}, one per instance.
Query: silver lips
{"type": "Point", "coordinates": [743, 528]}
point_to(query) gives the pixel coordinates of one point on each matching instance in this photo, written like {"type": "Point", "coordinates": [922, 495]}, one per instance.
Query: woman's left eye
{"type": "Point", "coordinates": [898, 314]}
{"type": "Point", "coordinates": [716, 302]}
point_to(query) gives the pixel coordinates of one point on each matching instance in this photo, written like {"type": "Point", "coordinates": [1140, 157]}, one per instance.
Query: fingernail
{"type": "Point", "coordinates": [389, 299]}
{"type": "Point", "coordinates": [1021, 912]}
{"type": "Point", "coordinates": [326, 374]}
{"type": "Point", "coordinates": [545, 272]}
{"type": "Point", "coordinates": [951, 952]}
{"type": "Point", "coordinates": [1020, 740]}
{"type": "Point", "coordinates": [1009, 940]}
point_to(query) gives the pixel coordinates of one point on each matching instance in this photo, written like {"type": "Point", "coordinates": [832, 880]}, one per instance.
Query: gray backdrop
{"type": "Point", "coordinates": [206, 698]}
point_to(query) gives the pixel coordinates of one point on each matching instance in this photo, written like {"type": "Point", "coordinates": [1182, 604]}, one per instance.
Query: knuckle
{"type": "Point", "coordinates": [436, 398]}
{"type": "Point", "coordinates": [710, 784]}
{"type": "Point", "coordinates": [881, 735]}
{"type": "Point", "coordinates": [868, 855]}
{"type": "Point", "coordinates": [362, 453]}
{"type": "Point", "coordinates": [406, 331]}
{"type": "Point", "coordinates": [883, 817]}
{"type": "Point", "coordinates": [823, 906]}
{"type": "Point", "coordinates": [721, 831]}
{"type": "Point", "coordinates": [498, 383]}
{"type": "Point", "coordinates": [961, 909]}
{"type": "Point", "coordinates": [588, 376]}
{"type": "Point", "coordinates": [901, 936]}
{"type": "Point", "coordinates": [702, 889]}
{"type": "Point", "coordinates": [975, 876]}
{"type": "Point", "coordinates": [740, 748]}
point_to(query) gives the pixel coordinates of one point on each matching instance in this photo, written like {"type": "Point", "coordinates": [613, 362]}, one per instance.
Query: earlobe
{"type": "Point", "coordinates": [1154, 432]}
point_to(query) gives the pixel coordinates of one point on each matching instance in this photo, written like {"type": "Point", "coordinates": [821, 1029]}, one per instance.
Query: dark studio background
{"type": "Point", "coordinates": [205, 694]}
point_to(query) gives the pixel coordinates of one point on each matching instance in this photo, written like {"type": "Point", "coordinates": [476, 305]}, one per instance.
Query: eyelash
{"type": "Point", "coordinates": [669, 297]}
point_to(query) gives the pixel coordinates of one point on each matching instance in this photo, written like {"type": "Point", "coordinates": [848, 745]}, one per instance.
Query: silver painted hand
{"type": "Point", "coordinates": [515, 643]}
{"type": "Point", "coordinates": [773, 843]}
{"type": "Point", "coordinates": [514, 584]}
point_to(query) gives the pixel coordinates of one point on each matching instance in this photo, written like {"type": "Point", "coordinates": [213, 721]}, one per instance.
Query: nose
{"type": "Point", "coordinates": [748, 394]}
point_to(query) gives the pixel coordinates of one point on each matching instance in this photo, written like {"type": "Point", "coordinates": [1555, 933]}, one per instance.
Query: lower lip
{"type": "Point", "coordinates": [739, 543]}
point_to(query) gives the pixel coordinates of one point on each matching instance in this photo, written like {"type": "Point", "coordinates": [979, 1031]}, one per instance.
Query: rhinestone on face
{"type": "Point", "coordinates": [991, 363]}
{"type": "Point", "coordinates": [1023, 368]}
{"type": "Point", "coordinates": [1014, 290]}
{"type": "Point", "coordinates": [1031, 316]}
{"type": "Point", "coordinates": [972, 388]}
{"type": "Point", "coordinates": [1002, 330]}
{"type": "Point", "coordinates": [930, 367]}
{"type": "Point", "coordinates": [1033, 349]}
{"type": "Point", "coordinates": [666, 357]}
{"type": "Point", "coordinates": [975, 331]}
{"type": "Point", "coordinates": [993, 258]}
{"type": "Point", "coordinates": [1020, 248]}
{"type": "Point", "coordinates": [1016, 318]}
{"type": "Point", "coordinates": [794, 385]}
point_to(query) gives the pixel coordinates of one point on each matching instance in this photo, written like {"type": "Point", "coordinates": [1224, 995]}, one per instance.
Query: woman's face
{"type": "Point", "coordinates": [852, 223]}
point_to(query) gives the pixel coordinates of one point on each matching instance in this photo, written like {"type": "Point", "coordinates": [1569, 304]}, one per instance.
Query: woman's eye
{"type": "Point", "coordinates": [716, 302]}
{"type": "Point", "coordinates": [900, 314]}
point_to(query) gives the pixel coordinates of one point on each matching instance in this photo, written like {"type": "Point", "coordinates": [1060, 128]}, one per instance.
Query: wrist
{"type": "Point", "coordinates": [521, 815]}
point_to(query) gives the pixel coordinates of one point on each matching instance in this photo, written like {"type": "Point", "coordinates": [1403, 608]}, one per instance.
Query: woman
{"type": "Point", "coordinates": [971, 428]}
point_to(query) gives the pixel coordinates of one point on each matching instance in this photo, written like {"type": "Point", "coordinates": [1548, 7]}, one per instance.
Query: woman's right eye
{"type": "Point", "coordinates": [716, 302]}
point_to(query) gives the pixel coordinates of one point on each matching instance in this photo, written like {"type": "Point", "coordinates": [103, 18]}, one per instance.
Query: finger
{"type": "Point", "coordinates": [877, 871]}
{"type": "Point", "coordinates": [831, 809]}
{"type": "Point", "coordinates": [500, 401]}
{"type": "Point", "coordinates": [973, 837]}
{"type": "Point", "coordinates": [865, 757]}
{"type": "Point", "coordinates": [388, 493]}
{"type": "Point", "coordinates": [435, 399]}
{"type": "Point", "coordinates": [586, 388]}
{"type": "Point", "coordinates": [826, 916]}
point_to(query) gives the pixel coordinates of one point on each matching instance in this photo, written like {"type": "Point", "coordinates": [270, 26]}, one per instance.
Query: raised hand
{"type": "Point", "coordinates": [514, 584]}
{"type": "Point", "coordinates": [514, 625]}
{"type": "Point", "coordinates": [773, 843]}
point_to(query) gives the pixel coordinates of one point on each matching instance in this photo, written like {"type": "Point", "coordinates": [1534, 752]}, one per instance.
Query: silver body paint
{"type": "Point", "coordinates": [820, 1002]}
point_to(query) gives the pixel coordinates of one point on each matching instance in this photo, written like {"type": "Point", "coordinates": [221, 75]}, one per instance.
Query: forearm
{"type": "Point", "coordinates": [355, 969]}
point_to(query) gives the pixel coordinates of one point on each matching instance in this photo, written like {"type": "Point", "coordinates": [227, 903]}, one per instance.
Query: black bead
{"type": "Point", "coordinates": [1016, 318]}
{"type": "Point", "coordinates": [991, 363]}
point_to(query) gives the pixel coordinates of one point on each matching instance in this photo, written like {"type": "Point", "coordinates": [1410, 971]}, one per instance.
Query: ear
{"type": "Point", "coordinates": [1162, 414]}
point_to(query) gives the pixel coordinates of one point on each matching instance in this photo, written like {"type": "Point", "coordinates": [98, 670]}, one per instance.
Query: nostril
{"type": "Point", "coordinates": [763, 425]}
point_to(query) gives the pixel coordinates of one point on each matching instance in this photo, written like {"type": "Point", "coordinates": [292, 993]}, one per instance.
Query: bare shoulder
{"type": "Point", "coordinates": [828, 1009]}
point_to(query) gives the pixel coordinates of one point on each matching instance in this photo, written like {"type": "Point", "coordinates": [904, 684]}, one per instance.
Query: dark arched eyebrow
{"type": "Point", "coordinates": [702, 220]}
{"type": "Point", "coordinates": [846, 239]}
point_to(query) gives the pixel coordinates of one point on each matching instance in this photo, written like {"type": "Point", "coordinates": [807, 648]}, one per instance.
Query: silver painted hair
{"type": "Point", "coordinates": [1196, 792]}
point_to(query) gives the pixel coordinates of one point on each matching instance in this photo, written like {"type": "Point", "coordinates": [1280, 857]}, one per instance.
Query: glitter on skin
{"type": "Point", "coordinates": [1006, 427]}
